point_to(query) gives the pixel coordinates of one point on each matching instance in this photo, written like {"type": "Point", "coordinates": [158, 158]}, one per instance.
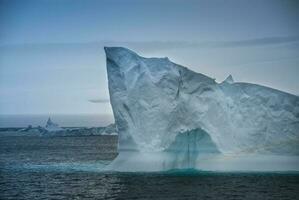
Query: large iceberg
{"type": "Point", "coordinates": [169, 117]}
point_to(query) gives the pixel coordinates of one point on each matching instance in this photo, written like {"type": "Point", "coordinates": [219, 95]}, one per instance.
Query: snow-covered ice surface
{"type": "Point", "coordinates": [170, 117]}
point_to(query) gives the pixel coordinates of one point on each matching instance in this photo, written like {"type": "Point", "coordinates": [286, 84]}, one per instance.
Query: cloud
{"type": "Point", "coordinates": [215, 44]}
{"type": "Point", "coordinates": [99, 100]}
{"type": "Point", "coordinates": [256, 42]}
{"type": "Point", "coordinates": [159, 45]}
{"type": "Point", "coordinates": [218, 44]}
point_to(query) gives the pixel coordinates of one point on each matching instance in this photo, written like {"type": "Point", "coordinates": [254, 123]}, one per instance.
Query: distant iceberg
{"type": "Point", "coordinates": [168, 116]}
{"type": "Point", "coordinates": [52, 127]}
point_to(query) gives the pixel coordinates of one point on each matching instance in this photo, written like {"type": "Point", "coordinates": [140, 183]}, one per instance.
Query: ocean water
{"type": "Point", "coordinates": [70, 168]}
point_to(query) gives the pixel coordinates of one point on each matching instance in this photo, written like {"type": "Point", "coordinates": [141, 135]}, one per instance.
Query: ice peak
{"type": "Point", "coordinates": [229, 80]}
{"type": "Point", "coordinates": [51, 126]}
{"type": "Point", "coordinates": [117, 54]}
{"type": "Point", "coordinates": [49, 122]}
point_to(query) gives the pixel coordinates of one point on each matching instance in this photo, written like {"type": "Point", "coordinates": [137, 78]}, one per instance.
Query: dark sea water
{"type": "Point", "coordinates": [70, 168]}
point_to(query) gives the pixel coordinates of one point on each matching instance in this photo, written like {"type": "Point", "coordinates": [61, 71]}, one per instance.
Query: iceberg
{"type": "Point", "coordinates": [170, 117]}
{"type": "Point", "coordinates": [52, 127]}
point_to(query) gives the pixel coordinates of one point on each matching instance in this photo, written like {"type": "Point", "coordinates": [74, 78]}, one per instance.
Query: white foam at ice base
{"type": "Point", "coordinates": [155, 100]}
{"type": "Point", "coordinates": [156, 162]}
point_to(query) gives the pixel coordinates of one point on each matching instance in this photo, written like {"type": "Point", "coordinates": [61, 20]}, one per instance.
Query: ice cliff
{"type": "Point", "coordinates": [163, 108]}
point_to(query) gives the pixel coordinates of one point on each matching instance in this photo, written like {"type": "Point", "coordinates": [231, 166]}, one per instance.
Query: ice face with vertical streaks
{"type": "Point", "coordinates": [163, 108]}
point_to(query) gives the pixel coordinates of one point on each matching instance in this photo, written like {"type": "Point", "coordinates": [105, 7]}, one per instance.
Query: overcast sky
{"type": "Point", "coordinates": [52, 59]}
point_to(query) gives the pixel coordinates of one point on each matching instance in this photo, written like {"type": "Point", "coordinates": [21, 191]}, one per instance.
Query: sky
{"type": "Point", "coordinates": [52, 59]}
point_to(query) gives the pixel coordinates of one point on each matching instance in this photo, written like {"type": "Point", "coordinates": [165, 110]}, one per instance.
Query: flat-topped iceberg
{"type": "Point", "coordinates": [168, 116]}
